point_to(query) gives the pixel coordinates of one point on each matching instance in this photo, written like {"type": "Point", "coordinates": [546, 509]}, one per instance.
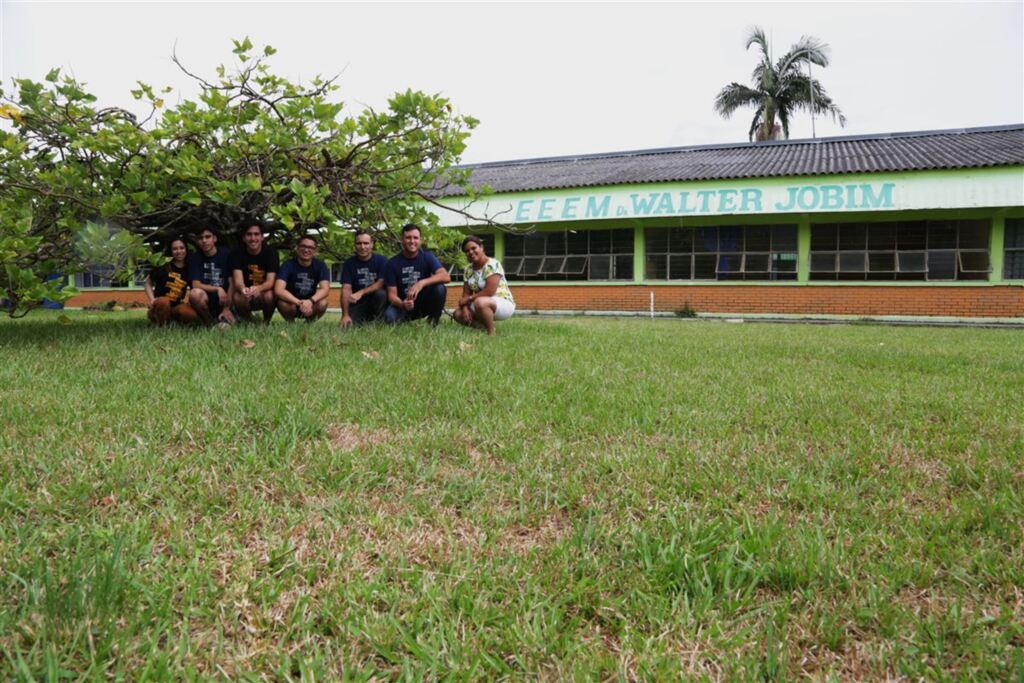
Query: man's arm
{"type": "Point", "coordinates": [238, 280]}
{"type": "Point", "coordinates": [323, 289]}
{"type": "Point", "coordinates": [440, 277]}
{"type": "Point", "coordinates": [268, 284]}
{"type": "Point", "coordinates": [346, 292]}
{"type": "Point", "coordinates": [393, 296]}
{"type": "Point", "coordinates": [377, 285]}
{"type": "Point", "coordinates": [149, 291]}
{"type": "Point", "coordinates": [282, 293]}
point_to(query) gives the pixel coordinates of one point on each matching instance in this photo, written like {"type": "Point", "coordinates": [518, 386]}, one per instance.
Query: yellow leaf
{"type": "Point", "coordinates": [9, 111]}
{"type": "Point", "coordinates": [248, 344]}
{"type": "Point", "coordinates": [371, 355]}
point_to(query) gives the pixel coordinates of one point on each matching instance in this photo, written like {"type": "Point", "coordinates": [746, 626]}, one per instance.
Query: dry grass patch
{"type": "Point", "coordinates": [348, 437]}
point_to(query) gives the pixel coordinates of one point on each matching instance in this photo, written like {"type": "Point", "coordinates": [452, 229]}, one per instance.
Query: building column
{"type": "Point", "coordinates": [996, 246]}
{"type": "Point", "coordinates": [639, 252]}
{"type": "Point", "coordinates": [803, 248]}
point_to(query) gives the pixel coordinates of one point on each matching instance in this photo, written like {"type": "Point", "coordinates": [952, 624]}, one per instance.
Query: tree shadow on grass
{"type": "Point", "coordinates": [45, 328]}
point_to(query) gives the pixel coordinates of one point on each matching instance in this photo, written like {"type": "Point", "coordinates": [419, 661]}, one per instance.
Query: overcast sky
{"type": "Point", "coordinates": [551, 79]}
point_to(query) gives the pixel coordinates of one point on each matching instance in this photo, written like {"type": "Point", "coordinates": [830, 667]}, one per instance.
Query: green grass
{"type": "Point", "coordinates": [574, 498]}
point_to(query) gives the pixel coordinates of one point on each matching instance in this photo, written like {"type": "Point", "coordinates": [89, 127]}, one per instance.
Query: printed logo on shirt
{"type": "Point", "coordinates": [175, 286]}
{"type": "Point", "coordinates": [212, 274]}
{"type": "Point", "coordinates": [410, 276]}
{"type": "Point", "coordinates": [304, 284]}
{"type": "Point", "coordinates": [256, 275]}
{"type": "Point", "coordinates": [365, 277]}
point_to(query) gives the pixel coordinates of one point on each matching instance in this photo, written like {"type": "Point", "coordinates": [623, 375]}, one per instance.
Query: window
{"type": "Point", "coordinates": [1013, 245]}
{"type": "Point", "coordinates": [901, 250]}
{"type": "Point", "coordinates": [731, 252]}
{"type": "Point", "coordinates": [97, 277]}
{"type": "Point", "coordinates": [571, 255]}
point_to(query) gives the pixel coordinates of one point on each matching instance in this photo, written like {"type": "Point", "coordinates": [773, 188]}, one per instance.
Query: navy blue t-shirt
{"type": "Point", "coordinates": [301, 280]}
{"type": "Point", "coordinates": [404, 272]}
{"type": "Point", "coordinates": [362, 274]}
{"type": "Point", "coordinates": [211, 270]}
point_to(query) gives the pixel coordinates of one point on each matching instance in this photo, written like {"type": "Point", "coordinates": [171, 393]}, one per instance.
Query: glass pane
{"type": "Point", "coordinates": [600, 267]}
{"type": "Point", "coordinates": [512, 265]}
{"type": "Point", "coordinates": [601, 242]}
{"type": "Point", "coordinates": [852, 262]}
{"type": "Point", "coordinates": [784, 238]}
{"type": "Point", "coordinates": [853, 236]}
{"type": "Point", "coordinates": [514, 245]}
{"type": "Point", "coordinates": [1013, 265]}
{"type": "Point", "coordinates": [784, 263]}
{"type": "Point", "coordinates": [823, 262]}
{"type": "Point", "coordinates": [882, 262]}
{"type": "Point", "coordinates": [556, 243]}
{"type": "Point", "coordinates": [705, 240]}
{"type": "Point", "coordinates": [577, 243]}
{"type": "Point", "coordinates": [574, 265]}
{"type": "Point", "coordinates": [704, 266]}
{"type": "Point", "coordinates": [730, 238]}
{"type": "Point", "coordinates": [552, 265]}
{"type": "Point", "coordinates": [974, 261]}
{"type": "Point", "coordinates": [824, 237]}
{"type": "Point", "coordinates": [535, 245]}
{"type": "Point", "coordinates": [882, 236]}
{"type": "Point", "coordinates": [942, 234]}
{"type": "Point", "coordinates": [941, 265]}
{"type": "Point", "coordinates": [758, 238]}
{"type": "Point", "coordinates": [680, 240]}
{"type": "Point", "coordinates": [656, 267]}
{"type": "Point", "coordinates": [656, 240]}
{"type": "Point", "coordinates": [623, 241]}
{"type": "Point", "coordinates": [679, 266]}
{"type": "Point", "coordinates": [730, 263]}
{"type": "Point", "coordinates": [755, 263]}
{"type": "Point", "coordinates": [974, 234]}
{"type": "Point", "coordinates": [910, 261]}
{"type": "Point", "coordinates": [910, 235]}
{"type": "Point", "coordinates": [531, 265]}
{"type": "Point", "coordinates": [1014, 231]}
{"type": "Point", "coordinates": [488, 241]}
{"type": "Point", "coordinates": [623, 267]}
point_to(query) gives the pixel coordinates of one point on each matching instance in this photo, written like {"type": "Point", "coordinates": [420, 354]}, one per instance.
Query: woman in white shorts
{"type": "Point", "coordinates": [485, 294]}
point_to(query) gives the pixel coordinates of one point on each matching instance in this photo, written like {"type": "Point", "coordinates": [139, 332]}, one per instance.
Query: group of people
{"type": "Point", "coordinates": [217, 285]}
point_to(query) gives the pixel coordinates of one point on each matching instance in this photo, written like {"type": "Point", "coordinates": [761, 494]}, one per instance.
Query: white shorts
{"type": "Point", "coordinates": [503, 308]}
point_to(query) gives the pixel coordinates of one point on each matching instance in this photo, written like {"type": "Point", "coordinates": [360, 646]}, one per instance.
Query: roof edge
{"type": "Point", "coordinates": [743, 145]}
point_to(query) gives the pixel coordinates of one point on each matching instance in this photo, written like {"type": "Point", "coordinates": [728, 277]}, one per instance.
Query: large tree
{"type": "Point", "coordinates": [781, 88]}
{"type": "Point", "coordinates": [82, 185]}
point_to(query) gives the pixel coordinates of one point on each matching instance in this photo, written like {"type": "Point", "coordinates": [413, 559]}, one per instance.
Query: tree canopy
{"type": "Point", "coordinates": [779, 89]}
{"type": "Point", "coordinates": [83, 185]}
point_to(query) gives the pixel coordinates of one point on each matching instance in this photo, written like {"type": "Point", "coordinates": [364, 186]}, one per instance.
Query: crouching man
{"type": "Point", "coordinates": [253, 271]}
{"type": "Point", "coordinates": [362, 284]}
{"type": "Point", "coordinates": [210, 271]}
{"type": "Point", "coordinates": [302, 284]}
{"type": "Point", "coordinates": [415, 280]}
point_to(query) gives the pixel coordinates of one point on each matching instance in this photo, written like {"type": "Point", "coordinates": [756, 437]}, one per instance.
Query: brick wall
{"type": "Point", "coordinates": [1000, 301]}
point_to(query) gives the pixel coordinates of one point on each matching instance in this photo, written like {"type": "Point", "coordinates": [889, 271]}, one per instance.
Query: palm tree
{"type": "Point", "coordinates": [779, 90]}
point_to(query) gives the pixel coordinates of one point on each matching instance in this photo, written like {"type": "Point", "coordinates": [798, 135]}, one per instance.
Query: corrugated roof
{"type": "Point", "coordinates": [914, 151]}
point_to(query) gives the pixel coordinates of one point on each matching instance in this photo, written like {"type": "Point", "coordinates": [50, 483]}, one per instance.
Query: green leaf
{"type": "Point", "coordinates": [193, 197]}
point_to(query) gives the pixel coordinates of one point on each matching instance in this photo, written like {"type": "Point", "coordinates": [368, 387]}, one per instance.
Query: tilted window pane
{"type": "Point", "coordinates": [852, 262]}
{"type": "Point", "coordinates": [883, 262]}
{"type": "Point", "coordinates": [656, 267]}
{"type": "Point", "coordinates": [910, 261]}
{"type": "Point", "coordinates": [512, 265]}
{"type": "Point", "coordinates": [784, 263]}
{"type": "Point", "coordinates": [974, 262]}
{"type": "Point", "coordinates": [552, 265]}
{"type": "Point", "coordinates": [942, 265]}
{"type": "Point", "coordinates": [730, 263]}
{"type": "Point", "coordinates": [823, 262]}
{"type": "Point", "coordinates": [575, 265]}
{"type": "Point", "coordinates": [531, 265]}
{"type": "Point", "coordinates": [755, 263]}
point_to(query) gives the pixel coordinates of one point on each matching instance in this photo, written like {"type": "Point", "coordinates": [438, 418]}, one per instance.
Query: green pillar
{"type": "Point", "coordinates": [639, 249]}
{"type": "Point", "coordinates": [499, 245]}
{"type": "Point", "coordinates": [996, 245]}
{"type": "Point", "coordinates": [803, 249]}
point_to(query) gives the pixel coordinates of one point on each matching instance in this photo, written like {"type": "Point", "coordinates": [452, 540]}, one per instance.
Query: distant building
{"type": "Point", "coordinates": [903, 224]}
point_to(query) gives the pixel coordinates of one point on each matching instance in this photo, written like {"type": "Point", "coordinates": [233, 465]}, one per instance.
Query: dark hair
{"type": "Point", "coordinates": [409, 227]}
{"type": "Point", "coordinates": [210, 230]}
{"type": "Point", "coordinates": [360, 231]}
{"type": "Point", "coordinates": [474, 239]}
{"type": "Point", "coordinates": [245, 224]}
{"type": "Point", "coordinates": [170, 244]}
{"type": "Point", "coordinates": [306, 237]}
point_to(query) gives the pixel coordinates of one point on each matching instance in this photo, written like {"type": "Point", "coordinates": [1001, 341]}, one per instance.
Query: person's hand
{"type": "Point", "coordinates": [346, 320]}
{"type": "Point", "coordinates": [306, 307]}
{"type": "Point", "coordinates": [413, 291]}
{"type": "Point", "coordinates": [150, 304]}
{"type": "Point", "coordinates": [466, 300]}
{"type": "Point", "coordinates": [227, 316]}
{"type": "Point", "coordinates": [408, 304]}
{"type": "Point", "coordinates": [355, 297]}
{"type": "Point", "coordinates": [249, 292]}
{"type": "Point", "coordinates": [223, 295]}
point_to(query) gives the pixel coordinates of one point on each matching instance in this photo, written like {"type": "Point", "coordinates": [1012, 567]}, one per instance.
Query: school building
{"type": "Point", "coordinates": [908, 225]}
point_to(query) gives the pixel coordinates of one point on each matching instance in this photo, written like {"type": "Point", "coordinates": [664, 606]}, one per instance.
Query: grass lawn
{"type": "Point", "coordinates": [574, 498]}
